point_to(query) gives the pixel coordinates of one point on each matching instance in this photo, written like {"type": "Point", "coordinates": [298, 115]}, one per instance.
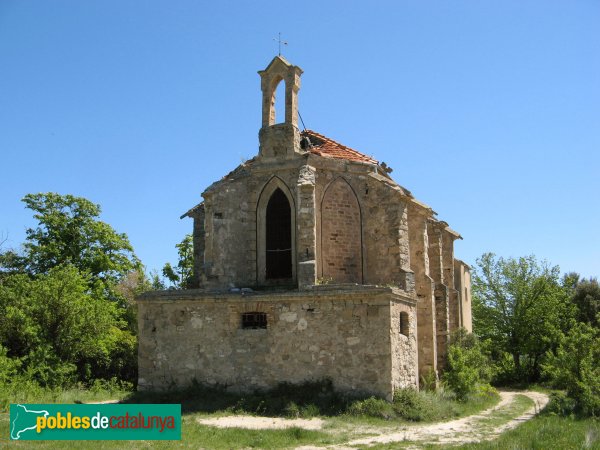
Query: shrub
{"type": "Point", "coordinates": [411, 405]}
{"type": "Point", "coordinates": [372, 406]}
{"type": "Point", "coordinates": [8, 366]}
{"type": "Point", "coordinates": [63, 331]}
{"type": "Point", "coordinates": [504, 369]}
{"type": "Point", "coordinates": [574, 367]}
{"type": "Point", "coordinates": [429, 381]}
{"type": "Point", "coordinates": [292, 410]}
{"type": "Point", "coordinates": [560, 404]}
{"type": "Point", "coordinates": [486, 391]}
{"type": "Point", "coordinates": [468, 364]}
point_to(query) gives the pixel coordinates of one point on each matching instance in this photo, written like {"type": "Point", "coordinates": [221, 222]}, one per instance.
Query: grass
{"type": "Point", "coordinates": [29, 392]}
{"type": "Point", "coordinates": [520, 404]}
{"type": "Point", "coordinates": [196, 436]}
{"type": "Point", "coordinates": [547, 431]}
{"type": "Point", "coordinates": [310, 399]}
{"type": "Point", "coordinates": [344, 416]}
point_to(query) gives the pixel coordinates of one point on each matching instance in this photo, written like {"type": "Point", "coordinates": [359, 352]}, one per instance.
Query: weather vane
{"type": "Point", "coordinates": [278, 40]}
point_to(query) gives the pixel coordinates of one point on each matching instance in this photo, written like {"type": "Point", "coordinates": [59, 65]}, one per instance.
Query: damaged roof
{"type": "Point", "coordinates": [324, 146]}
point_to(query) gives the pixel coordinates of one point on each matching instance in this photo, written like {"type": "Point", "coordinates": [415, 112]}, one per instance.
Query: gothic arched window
{"type": "Point", "coordinates": [278, 237]}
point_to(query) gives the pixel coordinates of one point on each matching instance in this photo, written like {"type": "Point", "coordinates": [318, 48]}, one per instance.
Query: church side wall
{"type": "Point", "coordinates": [462, 280]}
{"type": "Point", "coordinates": [424, 286]}
{"type": "Point", "coordinates": [230, 233]}
{"type": "Point", "coordinates": [404, 348]}
{"type": "Point", "coordinates": [383, 228]}
{"type": "Point", "coordinates": [341, 234]}
{"type": "Point", "coordinates": [386, 240]}
{"type": "Point", "coordinates": [342, 335]}
{"type": "Point", "coordinates": [230, 257]}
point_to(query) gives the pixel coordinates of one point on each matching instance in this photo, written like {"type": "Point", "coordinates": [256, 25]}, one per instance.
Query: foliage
{"type": "Point", "coordinates": [586, 297]}
{"type": "Point", "coordinates": [521, 306]}
{"type": "Point", "coordinates": [372, 407]}
{"type": "Point", "coordinates": [8, 366]}
{"type": "Point", "coordinates": [61, 330]}
{"type": "Point", "coordinates": [575, 366]}
{"type": "Point", "coordinates": [468, 364]}
{"type": "Point", "coordinates": [67, 310]}
{"type": "Point", "coordinates": [429, 381]}
{"type": "Point", "coordinates": [69, 233]}
{"type": "Point", "coordinates": [413, 405]}
{"type": "Point", "coordinates": [561, 404]}
{"type": "Point", "coordinates": [181, 276]}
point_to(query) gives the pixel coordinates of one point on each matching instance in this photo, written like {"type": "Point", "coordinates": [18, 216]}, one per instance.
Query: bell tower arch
{"type": "Point", "coordinates": [280, 140]}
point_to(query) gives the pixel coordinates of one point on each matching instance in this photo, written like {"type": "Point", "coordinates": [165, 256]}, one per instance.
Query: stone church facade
{"type": "Point", "coordinates": [310, 263]}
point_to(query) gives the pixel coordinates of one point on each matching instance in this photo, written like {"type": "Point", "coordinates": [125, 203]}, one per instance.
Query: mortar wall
{"type": "Point", "coordinates": [341, 336]}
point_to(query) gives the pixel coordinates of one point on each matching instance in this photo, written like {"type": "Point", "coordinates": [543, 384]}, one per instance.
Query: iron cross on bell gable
{"type": "Point", "coordinates": [279, 41]}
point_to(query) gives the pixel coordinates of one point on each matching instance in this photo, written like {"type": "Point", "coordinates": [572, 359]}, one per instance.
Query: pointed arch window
{"type": "Point", "coordinates": [278, 240]}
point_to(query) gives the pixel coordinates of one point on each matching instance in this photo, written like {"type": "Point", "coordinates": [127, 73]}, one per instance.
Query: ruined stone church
{"type": "Point", "coordinates": [311, 262]}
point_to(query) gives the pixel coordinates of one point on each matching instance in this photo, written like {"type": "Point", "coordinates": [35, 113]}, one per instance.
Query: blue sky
{"type": "Point", "coordinates": [487, 111]}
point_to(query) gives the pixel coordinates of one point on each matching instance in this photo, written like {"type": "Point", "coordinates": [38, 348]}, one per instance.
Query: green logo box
{"type": "Point", "coordinates": [35, 422]}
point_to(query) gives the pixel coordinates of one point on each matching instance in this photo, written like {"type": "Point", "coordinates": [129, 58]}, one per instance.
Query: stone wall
{"type": "Point", "coordinates": [348, 335]}
{"type": "Point", "coordinates": [341, 234]}
{"type": "Point", "coordinates": [462, 280]}
{"type": "Point", "coordinates": [371, 247]}
{"type": "Point", "coordinates": [424, 286]}
{"type": "Point", "coordinates": [405, 371]}
{"type": "Point", "coordinates": [233, 207]}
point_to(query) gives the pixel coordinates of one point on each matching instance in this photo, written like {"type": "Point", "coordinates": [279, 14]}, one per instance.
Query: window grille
{"type": "Point", "coordinates": [254, 320]}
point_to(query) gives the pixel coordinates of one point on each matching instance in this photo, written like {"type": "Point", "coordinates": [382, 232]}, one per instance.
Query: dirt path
{"type": "Point", "coordinates": [486, 425]}
{"type": "Point", "coordinates": [475, 428]}
{"type": "Point", "coordinates": [261, 423]}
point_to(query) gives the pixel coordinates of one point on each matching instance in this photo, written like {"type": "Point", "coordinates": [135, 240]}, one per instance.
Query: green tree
{"type": "Point", "coordinates": [586, 297]}
{"type": "Point", "coordinates": [521, 306]}
{"type": "Point", "coordinates": [69, 232]}
{"type": "Point", "coordinates": [181, 276]}
{"type": "Point", "coordinates": [575, 366]}
{"type": "Point", "coordinates": [61, 330]}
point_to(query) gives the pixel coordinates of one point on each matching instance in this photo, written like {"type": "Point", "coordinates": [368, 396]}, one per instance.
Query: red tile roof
{"type": "Point", "coordinates": [323, 146]}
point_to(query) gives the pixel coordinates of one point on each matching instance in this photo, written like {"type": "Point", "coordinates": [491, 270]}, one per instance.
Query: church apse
{"type": "Point", "coordinates": [311, 262]}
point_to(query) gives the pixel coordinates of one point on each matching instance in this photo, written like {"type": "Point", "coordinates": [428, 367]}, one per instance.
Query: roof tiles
{"type": "Point", "coordinates": [324, 146]}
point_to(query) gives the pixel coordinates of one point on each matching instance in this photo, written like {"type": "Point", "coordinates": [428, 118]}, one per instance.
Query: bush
{"type": "Point", "coordinates": [411, 405]}
{"type": "Point", "coordinates": [45, 368]}
{"type": "Point", "coordinates": [486, 391]}
{"type": "Point", "coordinates": [8, 366]}
{"type": "Point", "coordinates": [468, 364]}
{"type": "Point", "coordinates": [429, 381]}
{"type": "Point", "coordinates": [504, 369]}
{"type": "Point", "coordinates": [373, 407]}
{"type": "Point", "coordinates": [574, 367]}
{"type": "Point", "coordinates": [62, 331]}
{"type": "Point", "coordinates": [560, 404]}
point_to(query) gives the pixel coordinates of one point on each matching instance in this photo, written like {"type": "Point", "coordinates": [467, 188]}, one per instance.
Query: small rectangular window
{"type": "Point", "coordinates": [404, 325]}
{"type": "Point", "coordinates": [254, 320]}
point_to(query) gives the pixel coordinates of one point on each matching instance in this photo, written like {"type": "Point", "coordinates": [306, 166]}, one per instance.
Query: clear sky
{"type": "Point", "coordinates": [489, 112]}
